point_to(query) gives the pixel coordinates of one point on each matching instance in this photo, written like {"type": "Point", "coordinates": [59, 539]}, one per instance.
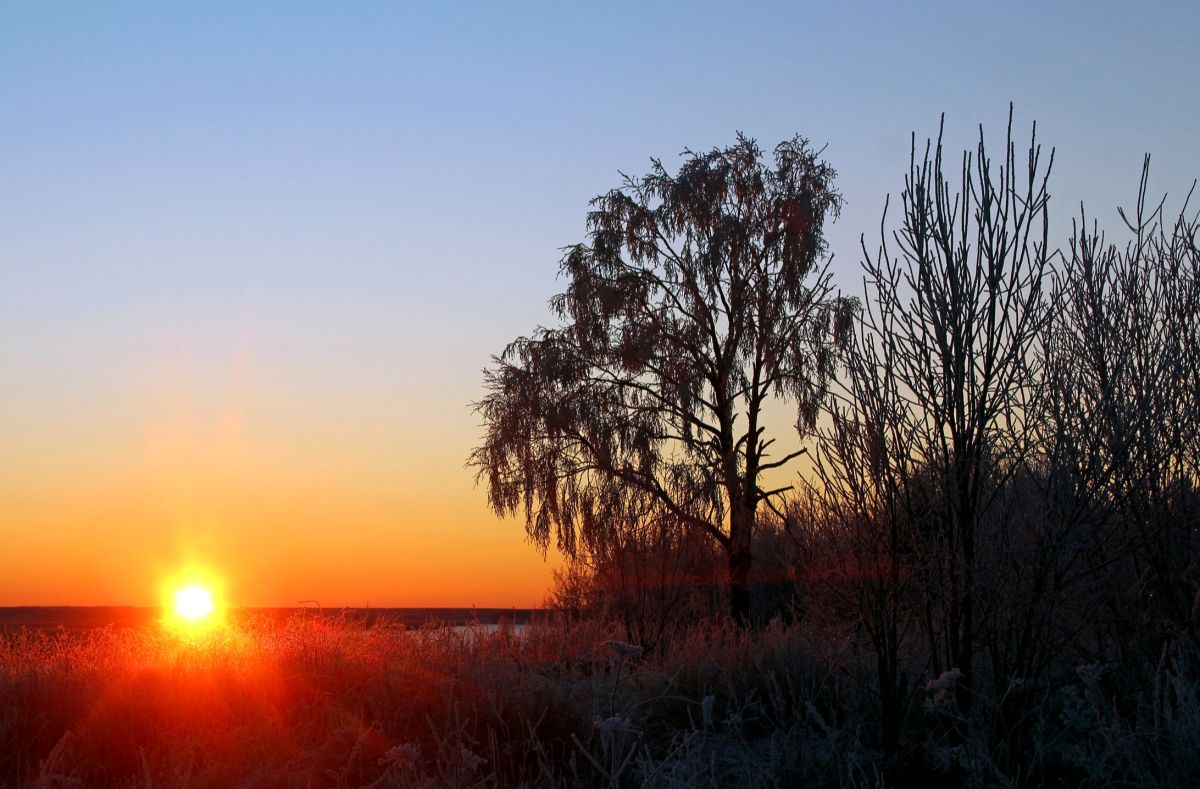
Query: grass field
{"type": "Point", "coordinates": [317, 701]}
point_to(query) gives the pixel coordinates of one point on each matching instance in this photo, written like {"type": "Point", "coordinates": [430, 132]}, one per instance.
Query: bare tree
{"type": "Point", "coordinates": [943, 380]}
{"type": "Point", "coordinates": [1010, 467]}
{"type": "Point", "coordinates": [698, 298]}
{"type": "Point", "coordinates": [862, 506]}
{"type": "Point", "coordinates": [1124, 363]}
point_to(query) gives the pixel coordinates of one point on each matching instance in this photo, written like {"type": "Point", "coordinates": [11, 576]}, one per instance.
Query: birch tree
{"type": "Point", "coordinates": [698, 297]}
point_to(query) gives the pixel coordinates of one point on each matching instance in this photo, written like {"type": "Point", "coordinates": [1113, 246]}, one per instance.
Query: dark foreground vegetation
{"type": "Point", "coordinates": [316, 703]}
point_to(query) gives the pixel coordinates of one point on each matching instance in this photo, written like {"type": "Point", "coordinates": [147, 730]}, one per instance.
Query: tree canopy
{"type": "Point", "coordinates": [697, 298]}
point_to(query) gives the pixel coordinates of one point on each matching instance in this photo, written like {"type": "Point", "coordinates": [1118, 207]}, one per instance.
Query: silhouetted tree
{"type": "Point", "coordinates": [1124, 370]}
{"type": "Point", "coordinates": [940, 388]}
{"type": "Point", "coordinates": [698, 298]}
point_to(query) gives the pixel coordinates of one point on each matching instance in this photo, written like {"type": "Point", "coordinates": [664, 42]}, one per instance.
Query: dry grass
{"type": "Point", "coordinates": [311, 702]}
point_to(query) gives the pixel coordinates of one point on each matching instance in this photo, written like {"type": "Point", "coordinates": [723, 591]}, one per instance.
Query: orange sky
{"type": "Point", "coordinates": [338, 496]}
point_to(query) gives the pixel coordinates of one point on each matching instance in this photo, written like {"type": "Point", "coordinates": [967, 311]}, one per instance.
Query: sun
{"type": "Point", "coordinates": [193, 603]}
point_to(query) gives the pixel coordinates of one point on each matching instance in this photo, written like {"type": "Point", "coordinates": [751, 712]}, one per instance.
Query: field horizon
{"type": "Point", "coordinates": [86, 617]}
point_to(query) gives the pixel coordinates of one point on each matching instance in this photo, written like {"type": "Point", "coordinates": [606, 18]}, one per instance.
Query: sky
{"type": "Point", "coordinates": [254, 257]}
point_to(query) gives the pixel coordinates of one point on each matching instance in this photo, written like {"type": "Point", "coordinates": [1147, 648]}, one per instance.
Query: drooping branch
{"type": "Point", "coordinates": [697, 297]}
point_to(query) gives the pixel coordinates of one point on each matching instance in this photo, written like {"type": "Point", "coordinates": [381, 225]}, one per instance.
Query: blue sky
{"type": "Point", "coordinates": [333, 213]}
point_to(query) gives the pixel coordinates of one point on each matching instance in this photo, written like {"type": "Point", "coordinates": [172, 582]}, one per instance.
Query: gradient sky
{"type": "Point", "coordinates": [254, 259]}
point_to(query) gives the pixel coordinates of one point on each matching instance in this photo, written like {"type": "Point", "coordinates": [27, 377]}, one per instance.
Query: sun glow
{"type": "Point", "coordinates": [193, 603]}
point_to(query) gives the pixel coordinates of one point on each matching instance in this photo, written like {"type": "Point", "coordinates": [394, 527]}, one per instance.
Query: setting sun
{"type": "Point", "coordinates": [193, 603]}
{"type": "Point", "coordinates": [193, 599]}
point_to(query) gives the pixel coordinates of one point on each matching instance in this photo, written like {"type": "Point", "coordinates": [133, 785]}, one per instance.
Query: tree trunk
{"type": "Point", "coordinates": [739, 586]}
{"type": "Point", "coordinates": [892, 689]}
{"type": "Point", "coordinates": [965, 654]}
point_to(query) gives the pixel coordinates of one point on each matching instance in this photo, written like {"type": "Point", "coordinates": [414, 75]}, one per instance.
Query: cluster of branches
{"type": "Point", "coordinates": [1008, 485]}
